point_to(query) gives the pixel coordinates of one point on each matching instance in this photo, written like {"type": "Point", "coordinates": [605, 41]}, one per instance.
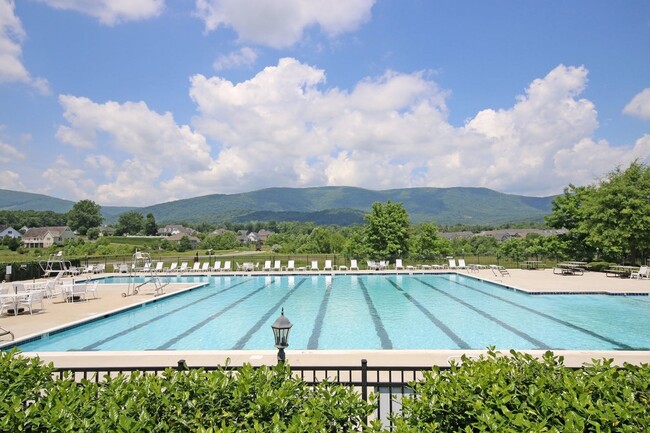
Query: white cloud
{"type": "Point", "coordinates": [64, 176]}
{"type": "Point", "coordinates": [281, 23]}
{"type": "Point", "coordinates": [283, 127]}
{"type": "Point", "coordinates": [244, 57]}
{"type": "Point", "coordinates": [12, 35]}
{"type": "Point", "coordinates": [9, 153]}
{"type": "Point", "coordinates": [111, 12]}
{"type": "Point", "coordinates": [11, 180]}
{"type": "Point", "coordinates": [286, 127]}
{"type": "Point", "coordinates": [639, 106]}
{"type": "Point", "coordinates": [152, 147]}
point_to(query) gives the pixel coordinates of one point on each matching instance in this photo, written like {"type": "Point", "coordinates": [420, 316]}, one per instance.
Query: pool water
{"type": "Point", "coordinates": [443, 311]}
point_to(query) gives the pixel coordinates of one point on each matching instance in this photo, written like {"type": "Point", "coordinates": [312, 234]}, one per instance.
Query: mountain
{"type": "Point", "coordinates": [323, 205]}
{"type": "Point", "coordinates": [17, 200]}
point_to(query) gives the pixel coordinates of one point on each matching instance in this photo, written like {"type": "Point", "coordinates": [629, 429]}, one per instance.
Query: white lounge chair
{"type": "Point", "coordinates": [277, 265]}
{"type": "Point", "coordinates": [183, 267]}
{"type": "Point", "coordinates": [314, 265]}
{"type": "Point", "coordinates": [267, 265]}
{"type": "Point", "coordinates": [196, 267]}
{"type": "Point", "coordinates": [291, 265]}
{"type": "Point", "coordinates": [217, 266]}
{"type": "Point", "coordinates": [398, 264]}
{"type": "Point", "coordinates": [383, 264]}
{"type": "Point", "coordinates": [452, 263]}
{"type": "Point", "coordinates": [159, 267]}
{"type": "Point", "coordinates": [461, 264]}
{"type": "Point", "coordinates": [328, 265]}
{"type": "Point", "coordinates": [100, 268]}
{"type": "Point", "coordinates": [353, 265]}
{"type": "Point", "coordinates": [205, 267]}
{"type": "Point", "coordinates": [226, 266]}
{"type": "Point", "coordinates": [124, 268]}
{"type": "Point", "coordinates": [92, 288]}
{"type": "Point", "coordinates": [641, 273]}
{"type": "Point", "coordinates": [30, 299]}
{"type": "Point", "coordinates": [173, 267]}
{"type": "Point", "coordinates": [88, 269]}
{"type": "Point", "coordinates": [76, 291]}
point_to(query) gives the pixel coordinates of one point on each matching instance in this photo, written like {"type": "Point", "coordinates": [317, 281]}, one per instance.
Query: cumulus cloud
{"type": "Point", "coordinates": [286, 127]}
{"type": "Point", "coordinates": [281, 23]}
{"type": "Point", "coordinates": [9, 153]}
{"type": "Point", "coordinates": [149, 146]}
{"type": "Point", "coordinates": [111, 12]}
{"type": "Point", "coordinates": [244, 57]}
{"type": "Point", "coordinates": [12, 35]}
{"type": "Point", "coordinates": [639, 106]}
{"type": "Point", "coordinates": [11, 180]}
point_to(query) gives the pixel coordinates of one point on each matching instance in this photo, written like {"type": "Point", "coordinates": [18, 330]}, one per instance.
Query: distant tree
{"type": "Point", "coordinates": [84, 215]}
{"type": "Point", "coordinates": [150, 226]}
{"type": "Point", "coordinates": [427, 244]}
{"type": "Point", "coordinates": [129, 222]}
{"type": "Point", "coordinates": [93, 233]}
{"type": "Point", "coordinates": [387, 230]}
{"type": "Point", "coordinates": [184, 244]}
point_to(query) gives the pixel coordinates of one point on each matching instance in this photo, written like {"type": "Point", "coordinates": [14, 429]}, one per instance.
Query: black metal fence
{"type": "Point", "coordinates": [389, 383]}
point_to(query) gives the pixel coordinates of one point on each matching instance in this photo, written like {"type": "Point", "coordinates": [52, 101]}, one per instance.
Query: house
{"type": "Point", "coordinates": [43, 237]}
{"type": "Point", "coordinates": [263, 235]}
{"type": "Point", "coordinates": [178, 236]}
{"type": "Point", "coordinates": [173, 229]}
{"type": "Point", "coordinates": [9, 231]}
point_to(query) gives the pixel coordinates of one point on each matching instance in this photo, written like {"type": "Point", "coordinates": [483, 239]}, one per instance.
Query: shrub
{"type": "Point", "coordinates": [599, 266]}
{"type": "Point", "coordinates": [521, 393]}
{"type": "Point", "coordinates": [268, 399]}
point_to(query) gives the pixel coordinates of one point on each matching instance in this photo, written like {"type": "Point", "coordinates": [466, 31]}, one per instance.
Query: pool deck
{"type": "Point", "coordinates": [58, 313]}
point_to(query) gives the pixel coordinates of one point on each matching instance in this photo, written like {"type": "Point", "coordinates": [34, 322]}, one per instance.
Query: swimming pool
{"type": "Point", "coordinates": [442, 311]}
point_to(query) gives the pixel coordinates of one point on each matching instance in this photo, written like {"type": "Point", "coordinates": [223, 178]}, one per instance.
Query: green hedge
{"type": "Point", "coordinates": [523, 394]}
{"type": "Point", "coordinates": [494, 393]}
{"type": "Point", "coordinates": [267, 399]}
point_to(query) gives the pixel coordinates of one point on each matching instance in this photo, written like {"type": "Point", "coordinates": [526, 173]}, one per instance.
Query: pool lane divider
{"type": "Point", "coordinates": [320, 319]}
{"type": "Point", "coordinates": [210, 318]}
{"type": "Point", "coordinates": [551, 318]}
{"type": "Point", "coordinates": [273, 310]}
{"type": "Point", "coordinates": [376, 320]}
{"type": "Point", "coordinates": [429, 315]}
{"type": "Point", "coordinates": [538, 343]}
{"type": "Point", "coordinates": [98, 343]}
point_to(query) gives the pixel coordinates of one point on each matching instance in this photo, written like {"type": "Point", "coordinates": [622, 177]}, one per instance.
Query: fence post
{"type": "Point", "coordinates": [364, 379]}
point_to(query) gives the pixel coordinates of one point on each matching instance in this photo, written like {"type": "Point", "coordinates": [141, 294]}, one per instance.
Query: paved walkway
{"type": "Point", "coordinates": [58, 313]}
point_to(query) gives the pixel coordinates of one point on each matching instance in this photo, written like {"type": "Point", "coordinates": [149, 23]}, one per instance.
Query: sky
{"type": "Point", "coordinates": [138, 102]}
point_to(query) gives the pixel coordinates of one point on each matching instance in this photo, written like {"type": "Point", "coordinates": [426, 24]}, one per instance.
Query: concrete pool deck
{"type": "Point", "coordinates": [58, 313]}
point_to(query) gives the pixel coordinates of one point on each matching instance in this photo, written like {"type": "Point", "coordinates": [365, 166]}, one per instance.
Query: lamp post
{"type": "Point", "coordinates": [210, 257]}
{"type": "Point", "coordinates": [281, 328]}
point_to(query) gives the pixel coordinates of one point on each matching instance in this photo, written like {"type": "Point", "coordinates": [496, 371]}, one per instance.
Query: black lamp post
{"type": "Point", "coordinates": [281, 328]}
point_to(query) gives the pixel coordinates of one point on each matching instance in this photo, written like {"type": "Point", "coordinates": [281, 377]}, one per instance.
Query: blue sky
{"type": "Point", "coordinates": [147, 101]}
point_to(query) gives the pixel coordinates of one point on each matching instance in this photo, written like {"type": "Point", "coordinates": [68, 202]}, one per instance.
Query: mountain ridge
{"type": "Point", "coordinates": [331, 204]}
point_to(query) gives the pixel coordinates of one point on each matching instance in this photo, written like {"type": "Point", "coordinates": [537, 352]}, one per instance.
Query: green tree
{"type": "Point", "coordinates": [617, 215]}
{"type": "Point", "coordinates": [129, 223]}
{"type": "Point", "coordinates": [427, 243]}
{"type": "Point", "coordinates": [184, 244]}
{"type": "Point", "coordinates": [84, 215]}
{"type": "Point", "coordinates": [150, 226]}
{"type": "Point", "coordinates": [387, 230]}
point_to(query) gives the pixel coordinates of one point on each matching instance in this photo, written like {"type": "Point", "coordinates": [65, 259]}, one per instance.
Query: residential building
{"type": "Point", "coordinates": [43, 237]}
{"type": "Point", "coordinates": [9, 231]}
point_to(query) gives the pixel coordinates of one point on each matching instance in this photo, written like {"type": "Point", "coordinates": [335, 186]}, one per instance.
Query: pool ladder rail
{"type": "Point", "coordinates": [134, 287]}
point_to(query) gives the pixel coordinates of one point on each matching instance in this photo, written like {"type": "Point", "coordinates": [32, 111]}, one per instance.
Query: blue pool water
{"type": "Point", "coordinates": [444, 311]}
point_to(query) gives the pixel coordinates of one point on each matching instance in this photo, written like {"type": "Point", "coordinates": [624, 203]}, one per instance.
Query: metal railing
{"type": "Point", "coordinates": [389, 383]}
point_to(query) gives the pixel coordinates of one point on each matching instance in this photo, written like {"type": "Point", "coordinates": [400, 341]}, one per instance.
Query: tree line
{"type": "Point", "coordinates": [608, 221]}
